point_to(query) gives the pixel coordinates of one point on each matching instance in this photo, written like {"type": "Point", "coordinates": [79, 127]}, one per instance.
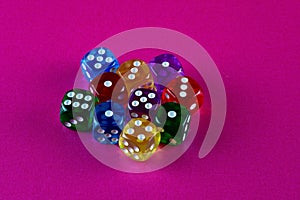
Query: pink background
{"type": "Point", "coordinates": [256, 47]}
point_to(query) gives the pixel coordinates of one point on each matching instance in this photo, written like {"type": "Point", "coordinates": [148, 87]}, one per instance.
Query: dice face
{"type": "Point", "coordinates": [97, 61]}
{"type": "Point", "coordinates": [99, 133]}
{"type": "Point", "coordinates": [175, 121]}
{"type": "Point", "coordinates": [135, 73]}
{"type": "Point", "coordinates": [187, 91]}
{"type": "Point", "coordinates": [110, 114]}
{"type": "Point", "coordinates": [142, 102]}
{"type": "Point", "coordinates": [109, 122]}
{"type": "Point", "coordinates": [165, 67]}
{"type": "Point", "coordinates": [77, 110]}
{"type": "Point", "coordinates": [139, 139]}
{"type": "Point", "coordinates": [109, 86]}
{"type": "Point", "coordinates": [109, 135]}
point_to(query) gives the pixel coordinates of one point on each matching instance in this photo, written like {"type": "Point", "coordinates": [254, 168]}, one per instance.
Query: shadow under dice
{"type": "Point", "coordinates": [98, 61]}
{"type": "Point", "coordinates": [77, 110]}
{"type": "Point", "coordinates": [187, 92]}
{"type": "Point", "coordinates": [142, 102]}
{"type": "Point", "coordinates": [135, 73]}
{"type": "Point", "coordinates": [109, 86]}
{"type": "Point", "coordinates": [110, 119]}
{"type": "Point", "coordinates": [140, 139]}
{"type": "Point", "coordinates": [175, 121]}
{"type": "Point", "coordinates": [165, 67]}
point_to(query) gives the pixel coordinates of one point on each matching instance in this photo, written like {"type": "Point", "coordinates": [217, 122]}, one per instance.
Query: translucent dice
{"type": "Point", "coordinates": [139, 139]}
{"type": "Point", "coordinates": [98, 61]}
{"type": "Point", "coordinates": [175, 121]}
{"type": "Point", "coordinates": [110, 118]}
{"type": "Point", "coordinates": [77, 110]}
{"type": "Point", "coordinates": [135, 73]}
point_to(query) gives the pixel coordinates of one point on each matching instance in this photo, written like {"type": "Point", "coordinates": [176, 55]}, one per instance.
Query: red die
{"type": "Point", "coordinates": [186, 92]}
{"type": "Point", "coordinates": [168, 96]}
{"type": "Point", "coordinates": [109, 86]}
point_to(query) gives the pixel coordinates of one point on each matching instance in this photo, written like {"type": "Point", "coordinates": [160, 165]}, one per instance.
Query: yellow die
{"type": "Point", "coordinates": [139, 139]}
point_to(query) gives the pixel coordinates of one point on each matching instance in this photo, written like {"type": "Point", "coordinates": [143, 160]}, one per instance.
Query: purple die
{"type": "Point", "coordinates": [142, 103]}
{"type": "Point", "coordinates": [165, 68]}
{"type": "Point", "coordinates": [159, 89]}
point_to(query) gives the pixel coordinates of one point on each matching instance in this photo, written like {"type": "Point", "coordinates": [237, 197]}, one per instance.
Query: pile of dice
{"type": "Point", "coordinates": [136, 105]}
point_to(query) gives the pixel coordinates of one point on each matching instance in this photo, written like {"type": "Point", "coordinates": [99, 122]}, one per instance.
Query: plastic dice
{"type": "Point", "coordinates": [165, 67]}
{"type": "Point", "coordinates": [98, 61]}
{"type": "Point", "coordinates": [142, 102]}
{"type": "Point", "coordinates": [175, 121]}
{"type": "Point", "coordinates": [111, 118]}
{"type": "Point", "coordinates": [158, 98]}
{"type": "Point", "coordinates": [77, 110]}
{"type": "Point", "coordinates": [139, 139]}
{"type": "Point", "coordinates": [100, 136]}
{"type": "Point", "coordinates": [135, 73]}
{"type": "Point", "coordinates": [187, 92]}
{"type": "Point", "coordinates": [109, 86]}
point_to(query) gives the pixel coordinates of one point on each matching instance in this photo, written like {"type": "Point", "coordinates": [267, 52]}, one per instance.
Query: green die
{"type": "Point", "coordinates": [77, 110]}
{"type": "Point", "coordinates": [175, 121]}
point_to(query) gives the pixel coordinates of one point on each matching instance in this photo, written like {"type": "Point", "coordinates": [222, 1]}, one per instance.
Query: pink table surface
{"type": "Point", "coordinates": [256, 47]}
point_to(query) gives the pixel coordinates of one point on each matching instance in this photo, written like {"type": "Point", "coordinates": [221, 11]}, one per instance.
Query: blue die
{"type": "Point", "coordinates": [109, 122]}
{"type": "Point", "coordinates": [97, 61]}
{"type": "Point", "coordinates": [99, 133]}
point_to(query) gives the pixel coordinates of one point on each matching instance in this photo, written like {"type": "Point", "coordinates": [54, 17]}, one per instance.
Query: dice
{"type": "Point", "coordinates": [174, 119]}
{"type": "Point", "coordinates": [109, 86]}
{"type": "Point", "coordinates": [108, 136]}
{"type": "Point", "coordinates": [99, 134]}
{"type": "Point", "coordinates": [139, 139]}
{"type": "Point", "coordinates": [142, 102]}
{"type": "Point", "coordinates": [135, 73]}
{"type": "Point", "coordinates": [167, 95]}
{"type": "Point", "coordinates": [187, 92]}
{"type": "Point", "coordinates": [158, 97]}
{"type": "Point", "coordinates": [165, 67]}
{"type": "Point", "coordinates": [111, 118]}
{"type": "Point", "coordinates": [77, 110]}
{"type": "Point", "coordinates": [97, 61]}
